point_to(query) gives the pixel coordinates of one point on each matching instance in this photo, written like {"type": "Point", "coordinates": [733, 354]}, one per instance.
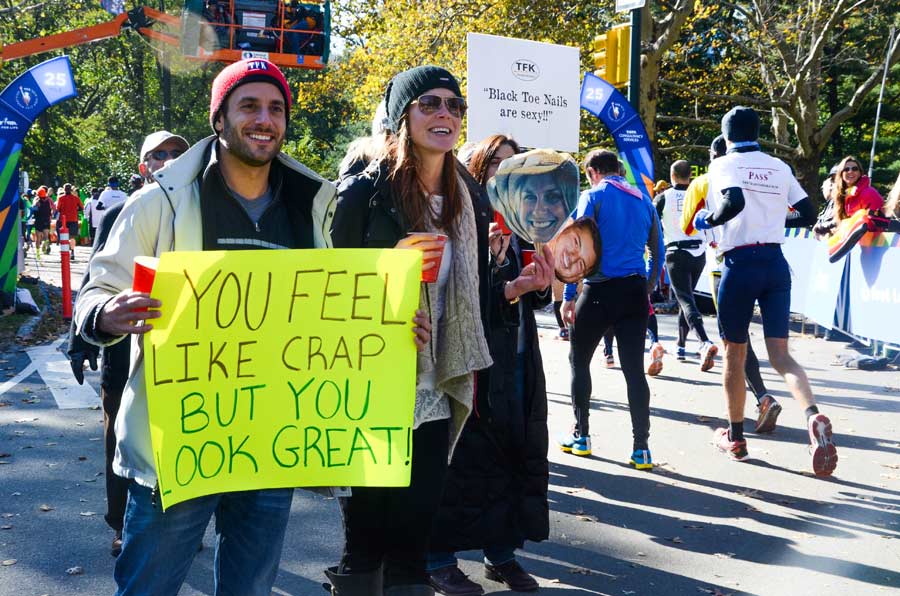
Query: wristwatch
{"type": "Point", "coordinates": [513, 300]}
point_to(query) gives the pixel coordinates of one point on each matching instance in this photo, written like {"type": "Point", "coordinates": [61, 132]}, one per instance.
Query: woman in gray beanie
{"type": "Point", "coordinates": [417, 186]}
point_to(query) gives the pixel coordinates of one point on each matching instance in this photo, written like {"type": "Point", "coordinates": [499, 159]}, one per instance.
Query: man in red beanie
{"type": "Point", "coordinates": [233, 190]}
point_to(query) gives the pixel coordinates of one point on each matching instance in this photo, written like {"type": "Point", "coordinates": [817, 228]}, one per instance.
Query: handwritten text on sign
{"type": "Point", "coordinates": [282, 368]}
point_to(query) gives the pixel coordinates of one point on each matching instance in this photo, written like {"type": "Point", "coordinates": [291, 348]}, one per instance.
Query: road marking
{"type": "Point", "coordinates": [54, 369]}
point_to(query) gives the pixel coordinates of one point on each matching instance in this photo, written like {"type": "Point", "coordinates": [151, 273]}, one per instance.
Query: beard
{"type": "Point", "coordinates": [231, 139]}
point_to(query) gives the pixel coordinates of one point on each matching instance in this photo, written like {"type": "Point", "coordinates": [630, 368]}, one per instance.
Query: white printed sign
{"type": "Point", "coordinates": [626, 5]}
{"type": "Point", "coordinates": [525, 89]}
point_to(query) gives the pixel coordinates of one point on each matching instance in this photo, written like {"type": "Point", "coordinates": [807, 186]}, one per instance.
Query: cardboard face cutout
{"type": "Point", "coordinates": [535, 192]}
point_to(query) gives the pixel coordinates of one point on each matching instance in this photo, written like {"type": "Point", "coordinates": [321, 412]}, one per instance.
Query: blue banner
{"type": "Point", "coordinates": [624, 124]}
{"type": "Point", "coordinates": [26, 98]}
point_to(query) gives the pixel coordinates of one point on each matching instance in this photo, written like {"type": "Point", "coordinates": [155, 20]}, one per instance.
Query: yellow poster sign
{"type": "Point", "coordinates": [282, 368]}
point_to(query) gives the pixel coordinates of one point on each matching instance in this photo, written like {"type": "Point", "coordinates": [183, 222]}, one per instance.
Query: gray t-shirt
{"type": "Point", "coordinates": [255, 207]}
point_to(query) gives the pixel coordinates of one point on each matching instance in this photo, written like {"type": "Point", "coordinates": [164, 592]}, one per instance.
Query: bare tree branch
{"type": "Point", "coordinates": [742, 99]}
{"type": "Point", "coordinates": [839, 117]}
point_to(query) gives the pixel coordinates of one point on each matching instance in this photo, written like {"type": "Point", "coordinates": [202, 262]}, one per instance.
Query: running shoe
{"type": "Point", "coordinates": [610, 361]}
{"type": "Point", "coordinates": [736, 450]}
{"type": "Point", "coordinates": [656, 359]}
{"type": "Point", "coordinates": [768, 409]}
{"type": "Point", "coordinates": [563, 335]}
{"type": "Point", "coordinates": [641, 459]}
{"type": "Point", "coordinates": [681, 354]}
{"type": "Point", "coordinates": [824, 453]}
{"type": "Point", "coordinates": [708, 353]}
{"type": "Point", "coordinates": [569, 443]}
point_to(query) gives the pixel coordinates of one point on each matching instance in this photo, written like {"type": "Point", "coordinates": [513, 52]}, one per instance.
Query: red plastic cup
{"type": "Point", "coordinates": [431, 275]}
{"type": "Point", "coordinates": [144, 274]}
{"type": "Point", "coordinates": [498, 219]}
{"type": "Point", "coordinates": [527, 258]}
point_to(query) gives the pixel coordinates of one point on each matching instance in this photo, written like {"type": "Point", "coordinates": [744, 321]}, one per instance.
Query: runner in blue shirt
{"type": "Point", "coordinates": [615, 295]}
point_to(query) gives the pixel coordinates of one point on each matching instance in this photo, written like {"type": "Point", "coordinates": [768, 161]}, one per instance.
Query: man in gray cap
{"type": "Point", "coordinates": [749, 195]}
{"type": "Point", "coordinates": [158, 149]}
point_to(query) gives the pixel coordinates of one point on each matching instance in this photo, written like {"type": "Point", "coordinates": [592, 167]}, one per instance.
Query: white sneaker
{"type": "Point", "coordinates": [656, 359]}
{"type": "Point", "coordinates": [708, 353]}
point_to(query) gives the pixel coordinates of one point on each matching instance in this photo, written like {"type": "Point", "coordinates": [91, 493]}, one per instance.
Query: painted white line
{"type": "Point", "coordinates": [26, 372]}
{"type": "Point", "coordinates": [54, 368]}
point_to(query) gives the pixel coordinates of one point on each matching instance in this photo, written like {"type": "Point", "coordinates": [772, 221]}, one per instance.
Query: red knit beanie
{"type": "Point", "coordinates": [252, 70]}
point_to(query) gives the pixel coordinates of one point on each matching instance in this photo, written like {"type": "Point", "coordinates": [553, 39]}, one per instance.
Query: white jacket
{"type": "Point", "coordinates": [161, 217]}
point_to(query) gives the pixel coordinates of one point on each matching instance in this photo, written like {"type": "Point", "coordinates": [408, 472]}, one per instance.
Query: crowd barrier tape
{"type": "Point", "coordinates": [867, 280]}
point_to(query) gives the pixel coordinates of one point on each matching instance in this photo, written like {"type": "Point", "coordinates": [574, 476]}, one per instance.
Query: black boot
{"type": "Point", "coordinates": [353, 584]}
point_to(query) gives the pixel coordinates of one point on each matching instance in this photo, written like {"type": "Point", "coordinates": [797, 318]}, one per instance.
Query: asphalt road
{"type": "Point", "coordinates": [698, 524]}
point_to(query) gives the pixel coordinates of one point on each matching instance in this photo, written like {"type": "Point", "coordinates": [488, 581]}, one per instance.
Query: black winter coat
{"type": "Point", "coordinates": [496, 489]}
{"type": "Point", "coordinates": [366, 216]}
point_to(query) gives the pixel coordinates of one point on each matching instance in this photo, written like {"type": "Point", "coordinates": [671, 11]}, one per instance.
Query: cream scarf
{"type": "Point", "coordinates": [457, 348]}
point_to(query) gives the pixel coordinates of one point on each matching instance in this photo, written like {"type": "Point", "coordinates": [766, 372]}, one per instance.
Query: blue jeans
{"type": "Point", "coordinates": [158, 548]}
{"type": "Point", "coordinates": [493, 555]}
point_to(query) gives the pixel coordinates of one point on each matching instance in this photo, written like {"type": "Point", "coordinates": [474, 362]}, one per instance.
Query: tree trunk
{"type": "Point", "coordinates": [806, 170]}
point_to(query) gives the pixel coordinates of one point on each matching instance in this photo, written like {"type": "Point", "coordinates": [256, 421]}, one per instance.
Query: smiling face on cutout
{"type": "Point", "coordinates": [437, 132]}
{"type": "Point", "coordinates": [575, 250]}
{"type": "Point", "coordinates": [541, 203]}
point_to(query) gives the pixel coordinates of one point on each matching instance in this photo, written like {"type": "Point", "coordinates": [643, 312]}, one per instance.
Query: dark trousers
{"type": "Point", "coordinates": [684, 272]}
{"type": "Point", "coordinates": [623, 304]}
{"type": "Point", "coordinates": [391, 526]}
{"type": "Point", "coordinates": [116, 486]}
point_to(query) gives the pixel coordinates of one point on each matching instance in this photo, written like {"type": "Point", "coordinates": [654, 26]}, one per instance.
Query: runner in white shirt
{"type": "Point", "coordinates": [749, 195]}
{"type": "Point", "coordinates": [685, 260]}
{"type": "Point", "coordinates": [110, 196]}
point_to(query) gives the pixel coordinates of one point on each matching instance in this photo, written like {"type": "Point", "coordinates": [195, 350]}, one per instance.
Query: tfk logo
{"type": "Point", "coordinates": [525, 70]}
{"type": "Point", "coordinates": [257, 65]}
{"type": "Point", "coordinates": [615, 111]}
{"type": "Point", "coordinates": [7, 124]}
{"type": "Point", "coordinates": [26, 98]}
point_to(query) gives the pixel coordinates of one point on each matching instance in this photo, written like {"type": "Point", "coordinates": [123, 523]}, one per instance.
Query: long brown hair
{"type": "Point", "coordinates": [411, 192]}
{"type": "Point", "coordinates": [840, 188]}
{"type": "Point", "coordinates": [483, 154]}
{"type": "Point", "coordinates": [892, 203]}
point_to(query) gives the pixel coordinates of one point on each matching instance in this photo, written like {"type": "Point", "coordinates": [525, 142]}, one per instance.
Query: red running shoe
{"type": "Point", "coordinates": [736, 450]}
{"type": "Point", "coordinates": [824, 453]}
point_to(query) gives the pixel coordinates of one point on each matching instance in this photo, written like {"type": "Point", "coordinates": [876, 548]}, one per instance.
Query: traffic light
{"type": "Point", "coordinates": [622, 55]}
{"type": "Point", "coordinates": [605, 54]}
{"type": "Point", "coordinates": [612, 55]}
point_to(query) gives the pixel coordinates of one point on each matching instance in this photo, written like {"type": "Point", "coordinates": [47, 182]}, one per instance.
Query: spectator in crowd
{"type": "Point", "coordinates": [229, 192]}
{"type": "Point", "coordinates": [157, 150]}
{"type": "Point", "coordinates": [892, 204]}
{"type": "Point", "coordinates": [495, 496]}
{"type": "Point", "coordinates": [853, 191]}
{"type": "Point", "coordinates": [419, 186]}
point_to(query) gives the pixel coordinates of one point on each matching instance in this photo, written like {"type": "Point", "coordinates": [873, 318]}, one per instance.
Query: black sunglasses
{"type": "Point", "coordinates": [429, 104]}
{"type": "Point", "coordinates": [851, 169]}
{"type": "Point", "coordinates": [162, 154]}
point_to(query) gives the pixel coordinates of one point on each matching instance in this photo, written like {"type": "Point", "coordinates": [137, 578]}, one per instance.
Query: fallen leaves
{"type": "Point", "coordinates": [45, 508]}
{"type": "Point", "coordinates": [8, 562]}
{"type": "Point", "coordinates": [676, 540]}
{"type": "Point", "coordinates": [24, 420]}
{"type": "Point", "coordinates": [580, 571]}
{"type": "Point", "coordinates": [77, 570]}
